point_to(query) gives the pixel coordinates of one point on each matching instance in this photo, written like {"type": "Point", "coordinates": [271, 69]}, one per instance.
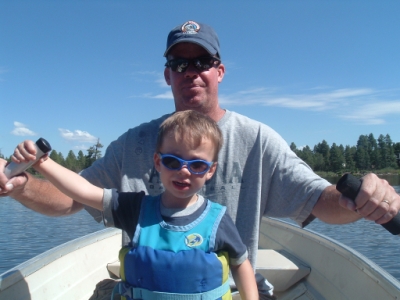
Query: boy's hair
{"type": "Point", "coordinates": [191, 127]}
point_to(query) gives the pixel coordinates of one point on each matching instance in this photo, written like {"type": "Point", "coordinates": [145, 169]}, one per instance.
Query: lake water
{"type": "Point", "coordinates": [25, 234]}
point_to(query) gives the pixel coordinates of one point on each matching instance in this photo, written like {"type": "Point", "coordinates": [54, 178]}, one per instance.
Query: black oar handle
{"type": "Point", "coordinates": [349, 186]}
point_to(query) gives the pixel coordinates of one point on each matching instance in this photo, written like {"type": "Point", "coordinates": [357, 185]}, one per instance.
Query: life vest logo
{"type": "Point", "coordinates": [193, 240]}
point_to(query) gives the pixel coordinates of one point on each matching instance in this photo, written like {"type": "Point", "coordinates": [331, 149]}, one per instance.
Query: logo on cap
{"type": "Point", "coordinates": [190, 27]}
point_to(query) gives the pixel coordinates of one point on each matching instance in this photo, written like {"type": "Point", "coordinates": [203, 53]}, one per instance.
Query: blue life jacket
{"type": "Point", "coordinates": [174, 262]}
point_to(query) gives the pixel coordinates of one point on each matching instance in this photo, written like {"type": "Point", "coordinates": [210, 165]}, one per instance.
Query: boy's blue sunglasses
{"type": "Point", "coordinates": [195, 166]}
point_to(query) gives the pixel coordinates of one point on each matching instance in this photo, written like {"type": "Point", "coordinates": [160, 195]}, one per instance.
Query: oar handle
{"type": "Point", "coordinates": [349, 186]}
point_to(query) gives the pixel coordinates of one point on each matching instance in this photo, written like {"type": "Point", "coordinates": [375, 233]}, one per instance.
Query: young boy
{"type": "Point", "coordinates": [182, 243]}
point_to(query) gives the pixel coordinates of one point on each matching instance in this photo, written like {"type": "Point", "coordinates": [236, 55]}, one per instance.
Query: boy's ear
{"type": "Point", "coordinates": [212, 170]}
{"type": "Point", "coordinates": [157, 162]}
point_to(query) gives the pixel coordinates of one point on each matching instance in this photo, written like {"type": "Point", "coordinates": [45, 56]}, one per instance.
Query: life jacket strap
{"type": "Point", "coordinates": [123, 289]}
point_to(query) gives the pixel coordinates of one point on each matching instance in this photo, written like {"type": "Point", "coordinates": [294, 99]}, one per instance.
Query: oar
{"type": "Point", "coordinates": [349, 186]}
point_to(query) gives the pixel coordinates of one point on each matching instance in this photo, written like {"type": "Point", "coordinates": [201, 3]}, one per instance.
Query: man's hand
{"type": "Point", "coordinates": [7, 186]}
{"type": "Point", "coordinates": [376, 201]}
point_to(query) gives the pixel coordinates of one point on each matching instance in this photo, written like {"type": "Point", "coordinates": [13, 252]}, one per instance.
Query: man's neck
{"type": "Point", "coordinates": [217, 114]}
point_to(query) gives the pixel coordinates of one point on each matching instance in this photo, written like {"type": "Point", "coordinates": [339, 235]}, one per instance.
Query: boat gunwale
{"type": "Point", "coordinates": [23, 270]}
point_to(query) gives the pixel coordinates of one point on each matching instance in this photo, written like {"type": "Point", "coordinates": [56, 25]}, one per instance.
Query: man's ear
{"type": "Point", "coordinates": [167, 76]}
{"type": "Point", "coordinates": [221, 72]}
{"type": "Point", "coordinates": [212, 170]}
{"type": "Point", "coordinates": [157, 162]}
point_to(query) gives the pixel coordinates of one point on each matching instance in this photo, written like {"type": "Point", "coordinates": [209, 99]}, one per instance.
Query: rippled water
{"type": "Point", "coordinates": [25, 234]}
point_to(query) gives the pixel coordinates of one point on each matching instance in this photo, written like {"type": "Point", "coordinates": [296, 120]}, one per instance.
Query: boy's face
{"type": "Point", "coordinates": [181, 186]}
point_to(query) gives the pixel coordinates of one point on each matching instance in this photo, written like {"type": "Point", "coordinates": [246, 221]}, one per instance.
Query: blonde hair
{"type": "Point", "coordinates": [191, 127]}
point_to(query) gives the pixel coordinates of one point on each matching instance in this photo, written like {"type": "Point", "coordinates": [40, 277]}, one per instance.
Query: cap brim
{"type": "Point", "coordinates": [210, 49]}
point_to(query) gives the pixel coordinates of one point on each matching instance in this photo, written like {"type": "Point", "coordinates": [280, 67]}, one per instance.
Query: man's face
{"type": "Point", "coordinates": [193, 89]}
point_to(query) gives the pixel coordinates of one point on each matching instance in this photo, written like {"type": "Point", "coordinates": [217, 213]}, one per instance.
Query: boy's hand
{"type": "Point", "coordinates": [25, 152]}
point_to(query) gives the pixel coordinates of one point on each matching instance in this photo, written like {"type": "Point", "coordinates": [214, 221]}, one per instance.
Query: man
{"type": "Point", "coordinates": [258, 174]}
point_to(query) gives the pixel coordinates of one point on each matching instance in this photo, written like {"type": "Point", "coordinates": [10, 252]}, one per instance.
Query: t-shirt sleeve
{"type": "Point", "coordinates": [122, 210]}
{"type": "Point", "coordinates": [228, 239]}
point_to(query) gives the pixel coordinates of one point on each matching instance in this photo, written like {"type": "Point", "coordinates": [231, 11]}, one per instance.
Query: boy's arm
{"type": "Point", "coordinates": [71, 184]}
{"type": "Point", "coordinates": [245, 280]}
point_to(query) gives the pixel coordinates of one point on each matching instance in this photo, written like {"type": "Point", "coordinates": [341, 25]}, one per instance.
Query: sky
{"type": "Point", "coordinates": [74, 72]}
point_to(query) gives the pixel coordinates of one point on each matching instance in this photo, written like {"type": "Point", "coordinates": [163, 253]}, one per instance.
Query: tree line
{"type": "Point", "coordinates": [369, 154]}
{"type": "Point", "coordinates": [73, 162]}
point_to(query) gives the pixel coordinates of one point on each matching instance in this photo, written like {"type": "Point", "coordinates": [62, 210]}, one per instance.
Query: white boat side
{"type": "Point", "coordinates": [69, 271]}
{"type": "Point", "coordinates": [337, 271]}
{"type": "Point", "coordinates": [301, 264]}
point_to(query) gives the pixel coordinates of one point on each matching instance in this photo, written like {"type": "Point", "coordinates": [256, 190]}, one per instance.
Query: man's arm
{"type": "Point", "coordinates": [37, 194]}
{"type": "Point", "coordinates": [334, 208]}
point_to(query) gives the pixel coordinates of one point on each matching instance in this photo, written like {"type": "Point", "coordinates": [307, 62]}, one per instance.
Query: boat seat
{"type": "Point", "coordinates": [113, 269]}
{"type": "Point", "coordinates": [281, 269]}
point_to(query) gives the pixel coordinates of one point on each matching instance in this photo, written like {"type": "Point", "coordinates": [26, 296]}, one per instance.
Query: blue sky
{"type": "Point", "coordinates": [75, 71]}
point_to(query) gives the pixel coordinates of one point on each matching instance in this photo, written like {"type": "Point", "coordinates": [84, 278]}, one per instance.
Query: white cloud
{"type": "Point", "coordinates": [77, 135]}
{"type": "Point", "coordinates": [141, 76]}
{"type": "Point", "coordinates": [362, 105]}
{"type": "Point", "coordinates": [272, 97]}
{"type": "Point", "coordinates": [166, 95]}
{"type": "Point", "coordinates": [374, 113]}
{"type": "Point", "coordinates": [22, 130]}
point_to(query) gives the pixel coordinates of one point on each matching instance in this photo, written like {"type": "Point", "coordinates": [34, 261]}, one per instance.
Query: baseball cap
{"type": "Point", "coordinates": [194, 32]}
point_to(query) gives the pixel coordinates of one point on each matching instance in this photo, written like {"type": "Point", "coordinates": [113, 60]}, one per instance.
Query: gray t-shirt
{"type": "Point", "coordinates": [257, 174]}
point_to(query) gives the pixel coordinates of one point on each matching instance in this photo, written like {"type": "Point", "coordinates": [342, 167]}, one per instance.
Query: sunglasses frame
{"type": "Point", "coordinates": [183, 162]}
{"type": "Point", "coordinates": [213, 62]}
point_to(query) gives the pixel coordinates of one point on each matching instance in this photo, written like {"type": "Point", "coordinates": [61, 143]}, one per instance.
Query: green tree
{"type": "Point", "coordinates": [372, 147]}
{"type": "Point", "coordinates": [349, 154]}
{"type": "Point", "coordinates": [307, 156]}
{"type": "Point", "coordinates": [361, 156]}
{"type": "Point", "coordinates": [396, 148]}
{"type": "Point", "coordinates": [94, 153]}
{"type": "Point", "coordinates": [386, 152]}
{"type": "Point", "coordinates": [71, 162]}
{"type": "Point", "coordinates": [293, 147]}
{"type": "Point", "coordinates": [319, 162]}
{"type": "Point", "coordinates": [391, 158]}
{"type": "Point", "coordinates": [336, 158]}
{"type": "Point", "coordinates": [323, 148]}
{"type": "Point", "coordinates": [56, 157]}
{"type": "Point", "coordinates": [81, 161]}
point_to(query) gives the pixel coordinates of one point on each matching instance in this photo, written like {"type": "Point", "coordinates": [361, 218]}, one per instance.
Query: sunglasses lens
{"type": "Point", "coordinates": [202, 63]}
{"type": "Point", "coordinates": [171, 163]}
{"type": "Point", "coordinates": [198, 166]}
{"type": "Point", "coordinates": [178, 65]}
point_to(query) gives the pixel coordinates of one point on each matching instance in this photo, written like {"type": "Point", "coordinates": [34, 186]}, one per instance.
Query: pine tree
{"type": "Point", "coordinates": [81, 159]}
{"type": "Point", "coordinates": [323, 148]}
{"type": "Point", "coordinates": [336, 158]}
{"type": "Point", "coordinates": [362, 156]}
{"type": "Point", "coordinates": [349, 154]}
{"type": "Point", "coordinates": [71, 161]}
{"type": "Point", "coordinates": [94, 153]}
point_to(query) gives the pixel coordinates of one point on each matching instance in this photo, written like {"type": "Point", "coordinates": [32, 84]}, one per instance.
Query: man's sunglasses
{"type": "Point", "coordinates": [195, 166]}
{"type": "Point", "coordinates": [204, 63]}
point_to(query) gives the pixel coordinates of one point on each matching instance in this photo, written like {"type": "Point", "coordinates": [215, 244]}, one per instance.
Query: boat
{"type": "Point", "coordinates": [300, 263]}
